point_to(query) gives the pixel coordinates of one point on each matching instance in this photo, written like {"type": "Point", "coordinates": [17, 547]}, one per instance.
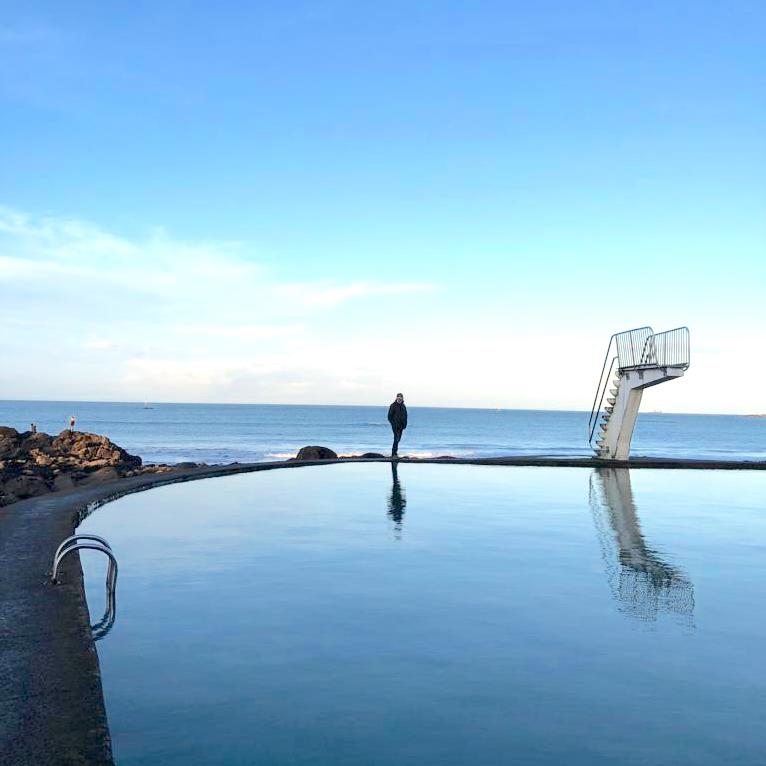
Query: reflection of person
{"type": "Point", "coordinates": [397, 501]}
{"type": "Point", "coordinates": [397, 417]}
{"type": "Point", "coordinates": [72, 423]}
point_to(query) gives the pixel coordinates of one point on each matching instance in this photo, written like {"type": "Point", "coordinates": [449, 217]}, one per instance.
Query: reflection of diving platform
{"type": "Point", "coordinates": [642, 583]}
{"type": "Point", "coordinates": [641, 359]}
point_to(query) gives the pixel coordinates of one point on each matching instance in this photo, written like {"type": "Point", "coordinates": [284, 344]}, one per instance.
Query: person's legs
{"type": "Point", "coordinates": [397, 437]}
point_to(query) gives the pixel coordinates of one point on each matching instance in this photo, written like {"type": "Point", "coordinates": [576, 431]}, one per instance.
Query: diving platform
{"type": "Point", "coordinates": [635, 360]}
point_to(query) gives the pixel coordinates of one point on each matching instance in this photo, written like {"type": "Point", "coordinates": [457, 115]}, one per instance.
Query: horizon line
{"type": "Point", "coordinates": [371, 406]}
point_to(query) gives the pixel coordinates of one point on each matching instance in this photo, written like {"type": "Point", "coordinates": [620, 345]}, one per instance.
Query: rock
{"type": "Point", "coordinates": [315, 453]}
{"type": "Point", "coordinates": [22, 487]}
{"type": "Point", "coordinates": [33, 464]}
{"type": "Point", "coordinates": [101, 475]}
{"type": "Point", "coordinates": [63, 481]}
{"type": "Point", "coordinates": [8, 442]}
{"type": "Point", "coordinates": [365, 456]}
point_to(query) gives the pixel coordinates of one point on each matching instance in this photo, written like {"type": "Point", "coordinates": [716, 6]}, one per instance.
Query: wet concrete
{"type": "Point", "coordinates": [51, 702]}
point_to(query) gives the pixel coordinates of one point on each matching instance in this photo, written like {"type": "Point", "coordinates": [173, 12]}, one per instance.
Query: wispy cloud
{"type": "Point", "coordinates": [76, 255]}
{"type": "Point", "coordinates": [175, 319]}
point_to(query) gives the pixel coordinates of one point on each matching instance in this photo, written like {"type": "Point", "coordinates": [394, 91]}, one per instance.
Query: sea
{"type": "Point", "coordinates": [242, 433]}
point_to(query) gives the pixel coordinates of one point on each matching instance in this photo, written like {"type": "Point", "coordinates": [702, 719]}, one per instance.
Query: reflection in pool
{"type": "Point", "coordinates": [376, 614]}
{"type": "Point", "coordinates": [643, 583]}
{"type": "Point", "coordinates": [397, 501]}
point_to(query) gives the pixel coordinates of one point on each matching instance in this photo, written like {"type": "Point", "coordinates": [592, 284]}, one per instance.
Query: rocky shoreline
{"type": "Point", "coordinates": [35, 463]}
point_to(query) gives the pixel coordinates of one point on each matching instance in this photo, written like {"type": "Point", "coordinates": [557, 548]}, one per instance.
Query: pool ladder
{"type": "Point", "coordinates": [96, 543]}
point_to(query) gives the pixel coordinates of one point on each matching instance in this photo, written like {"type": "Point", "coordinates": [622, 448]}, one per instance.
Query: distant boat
{"type": "Point", "coordinates": [147, 406]}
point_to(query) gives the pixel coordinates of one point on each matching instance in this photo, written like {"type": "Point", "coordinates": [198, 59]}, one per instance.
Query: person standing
{"type": "Point", "coordinates": [72, 423]}
{"type": "Point", "coordinates": [397, 417]}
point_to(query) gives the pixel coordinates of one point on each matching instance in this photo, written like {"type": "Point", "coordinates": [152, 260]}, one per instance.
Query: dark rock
{"type": "Point", "coordinates": [26, 486]}
{"type": "Point", "coordinates": [63, 481]}
{"type": "Point", "coordinates": [315, 453]}
{"type": "Point", "coordinates": [101, 475]}
{"type": "Point", "coordinates": [32, 464]}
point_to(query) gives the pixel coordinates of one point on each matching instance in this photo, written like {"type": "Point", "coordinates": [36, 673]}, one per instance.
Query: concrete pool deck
{"type": "Point", "coordinates": [51, 706]}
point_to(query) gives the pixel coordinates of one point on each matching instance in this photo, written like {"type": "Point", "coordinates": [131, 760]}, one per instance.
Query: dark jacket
{"type": "Point", "coordinates": [397, 415]}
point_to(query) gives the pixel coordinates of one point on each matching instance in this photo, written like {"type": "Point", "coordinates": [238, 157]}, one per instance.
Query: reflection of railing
{"type": "Point", "coordinates": [642, 582]}
{"type": "Point", "coordinates": [105, 624]}
{"type": "Point", "coordinates": [96, 543]}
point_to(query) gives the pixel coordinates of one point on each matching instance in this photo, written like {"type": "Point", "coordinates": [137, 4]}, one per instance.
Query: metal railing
{"type": "Point", "coordinates": [600, 394]}
{"type": "Point", "coordinates": [631, 346]}
{"type": "Point", "coordinates": [96, 543]}
{"type": "Point", "coordinates": [667, 349]}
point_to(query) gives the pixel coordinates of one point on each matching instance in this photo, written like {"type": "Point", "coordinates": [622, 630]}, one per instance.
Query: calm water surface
{"type": "Point", "coordinates": [437, 615]}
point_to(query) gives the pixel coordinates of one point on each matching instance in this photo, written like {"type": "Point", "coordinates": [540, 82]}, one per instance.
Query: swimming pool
{"type": "Point", "coordinates": [348, 614]}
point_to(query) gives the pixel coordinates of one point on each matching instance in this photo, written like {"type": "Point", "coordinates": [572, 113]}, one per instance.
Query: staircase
{"type": "Point", "coordinates": [641, 358]}
{"type": "Point", "coordinates": [606, 415]}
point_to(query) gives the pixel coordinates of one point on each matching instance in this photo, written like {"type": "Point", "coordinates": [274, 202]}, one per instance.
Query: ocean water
{"type": "Point", "coordinates": [227, 433]}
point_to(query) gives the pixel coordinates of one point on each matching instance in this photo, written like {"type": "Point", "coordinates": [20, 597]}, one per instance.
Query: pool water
{"type": "Point", "coordinates": [351, 614]}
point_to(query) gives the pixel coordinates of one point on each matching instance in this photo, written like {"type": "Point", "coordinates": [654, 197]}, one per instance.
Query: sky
{"type": "Point", "coordinates": [328, 202]}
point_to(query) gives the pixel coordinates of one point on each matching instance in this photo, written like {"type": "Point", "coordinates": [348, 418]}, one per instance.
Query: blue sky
{"type": "Point", "coordinates": [327, 202]}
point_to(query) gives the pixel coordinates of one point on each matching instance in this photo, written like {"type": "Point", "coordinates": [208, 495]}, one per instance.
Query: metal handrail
{"type": "Point", "coordinates": [74, 538]}
{"type": "Point", "coordinates": [667, 349]}
{"type": "Point", "coordinates": [111, 577]}
{"type": "Point", "coordinates": [631, 345]}
{"type": "Point", "coordinates": [95, 543]}
{"type": "Point", "coordinates": [593, 420]}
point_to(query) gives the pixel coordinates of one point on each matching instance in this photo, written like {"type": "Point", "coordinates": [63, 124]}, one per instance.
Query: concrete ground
{"type": "Point", "coordinates": [51, 702]}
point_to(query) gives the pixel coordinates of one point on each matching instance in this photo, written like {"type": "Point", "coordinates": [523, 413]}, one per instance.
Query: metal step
{"type": "Point", "coordinates": [611, 400]}
{"type": "Point", "coordinates": [613, 391]}
{"type": "Point", "coordinates": [610, 410]}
